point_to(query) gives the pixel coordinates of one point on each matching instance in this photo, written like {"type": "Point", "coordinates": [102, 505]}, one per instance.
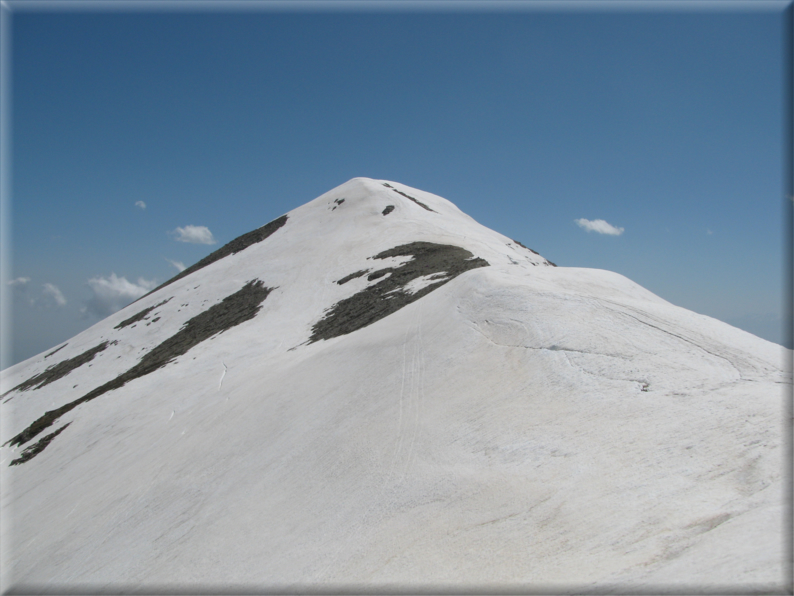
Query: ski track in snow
{"type": "Point", "coordinates": [405, 403]}
{"type": "Point", "coordinates": [409, 403]}
{"type": "Point", "coordinates": [397, 449]}
{"type": "Point", "coordinates": [417, 389]}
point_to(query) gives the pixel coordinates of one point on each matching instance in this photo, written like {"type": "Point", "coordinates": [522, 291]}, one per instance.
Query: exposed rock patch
{"type": "Point", "coordinates": [231, 311]}
{"type": "Point", "coordinates": [389, 209]}
{"type": "Point", "coordinates": [347, 278]}
{"type": "Point", "coordinates": [37, 447]}
{"type": "Point", "coordinates": [140, 316]}
{"type": "Point", "coordinates": [238, 244]}
{"type": "Point", "coordinates": [378, 274]}
{"type": "Point", "coordinates": [534, 252]}
{"type": "Point", "coordinates": [420, 203]}
{"type": "Point", "coordinates": [529, 249]}
{"type": "Point", "coordinates": [55, 350]}
{"type": "Point", "coordinates": [60, 370]}
{"type": "Point", "coordinates": [390, 294]}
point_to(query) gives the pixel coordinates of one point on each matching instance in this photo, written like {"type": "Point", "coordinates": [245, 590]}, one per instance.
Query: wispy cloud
{"type": "Point", "coordinates": [178, 264]}
{"type": "Point", "coordinates": [709, 232]}
{"type": "Point", "coordinates": [194, 235]}
{"type": "Point", "coordinates": [19, 289]}
{"type": "Point", "coordinates": [599, 226]}
{"type": "Point", "coordinates": [51, 296]}
{"type": "Point", "coordinates": [140, 204]}
{"type": "Point", "coordinates": [113, 293]}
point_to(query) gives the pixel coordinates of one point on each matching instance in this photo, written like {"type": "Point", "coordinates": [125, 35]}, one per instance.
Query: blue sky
{"type": "Point", "coordinates": [668, 124]}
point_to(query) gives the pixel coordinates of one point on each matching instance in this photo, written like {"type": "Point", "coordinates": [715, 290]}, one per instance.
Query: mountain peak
{"type": "Point", "coordinates": [375, 390]}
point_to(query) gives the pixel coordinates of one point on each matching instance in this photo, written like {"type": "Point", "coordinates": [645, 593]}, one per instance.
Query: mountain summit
{"type": "Point", "coordinates": [374, 391]}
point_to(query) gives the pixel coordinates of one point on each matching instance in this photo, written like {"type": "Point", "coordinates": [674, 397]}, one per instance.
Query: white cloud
{"type": "Point", "coordinates": [194, 235]}
{"type": "Point", "coordinates": [114, 293]}
{"type": "Point", "coordinates": [140, 204]}
{"type": "Point", "coordinates": [178, 264]}
{"type": "Point", "coordinates": [600, 226]}
{"type": "Point", "coordinates": [19, 289]}
{"type": "Point", "coordinates": [52, 296]}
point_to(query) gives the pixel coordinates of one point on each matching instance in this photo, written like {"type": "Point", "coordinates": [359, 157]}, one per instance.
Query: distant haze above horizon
{"type": "Point", "coordinates": [643, 141]}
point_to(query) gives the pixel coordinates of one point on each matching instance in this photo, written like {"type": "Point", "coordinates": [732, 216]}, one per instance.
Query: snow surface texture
{"type": "Point", "coordinates": [269, 421]}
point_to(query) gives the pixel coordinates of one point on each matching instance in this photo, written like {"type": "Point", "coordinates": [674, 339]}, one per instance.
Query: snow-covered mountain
{"type": "Point", "coordinates": [374, 391]}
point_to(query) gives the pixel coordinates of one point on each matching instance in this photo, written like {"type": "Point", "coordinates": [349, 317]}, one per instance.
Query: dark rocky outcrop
{"type": "Point", "coordinates": [421, 204]}
{"type": "Point", "coordinates": [347, 278]}
{"type": "Point", "coordinates": [534, 252]}
{"type": "Point", "coordinates": [389, 295]}
{"type": "Point", "coordinates": [56, 350]}
{"type": "Point", "coordinates": [60, 370]}
{"type": "Point", "coordinates": [238, 244]}
{"type": "Point", "coordinates": [140, 316]}
{"type": "Point", "coordinates": [529, 249]}
{"type": "Point", "coordinates": [231, 311]}
{"type": "Point", "coordinates": [37, 447]}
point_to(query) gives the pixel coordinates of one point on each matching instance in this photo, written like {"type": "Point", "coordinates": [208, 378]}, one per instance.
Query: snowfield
{"type": "Point", "coordinates": [376, 392]}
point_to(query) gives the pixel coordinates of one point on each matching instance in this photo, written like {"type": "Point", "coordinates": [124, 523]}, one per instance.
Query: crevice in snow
{"type": "Point", "coordinates": [551, 348]}
{"type": "Point", "coordinates": [689, 341]}
{"type": "Point", "coordinates": [223, 374]}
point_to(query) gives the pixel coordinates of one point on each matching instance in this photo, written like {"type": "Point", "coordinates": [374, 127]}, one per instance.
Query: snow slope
{"type": "Point", "coordinates": [375, 391]}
